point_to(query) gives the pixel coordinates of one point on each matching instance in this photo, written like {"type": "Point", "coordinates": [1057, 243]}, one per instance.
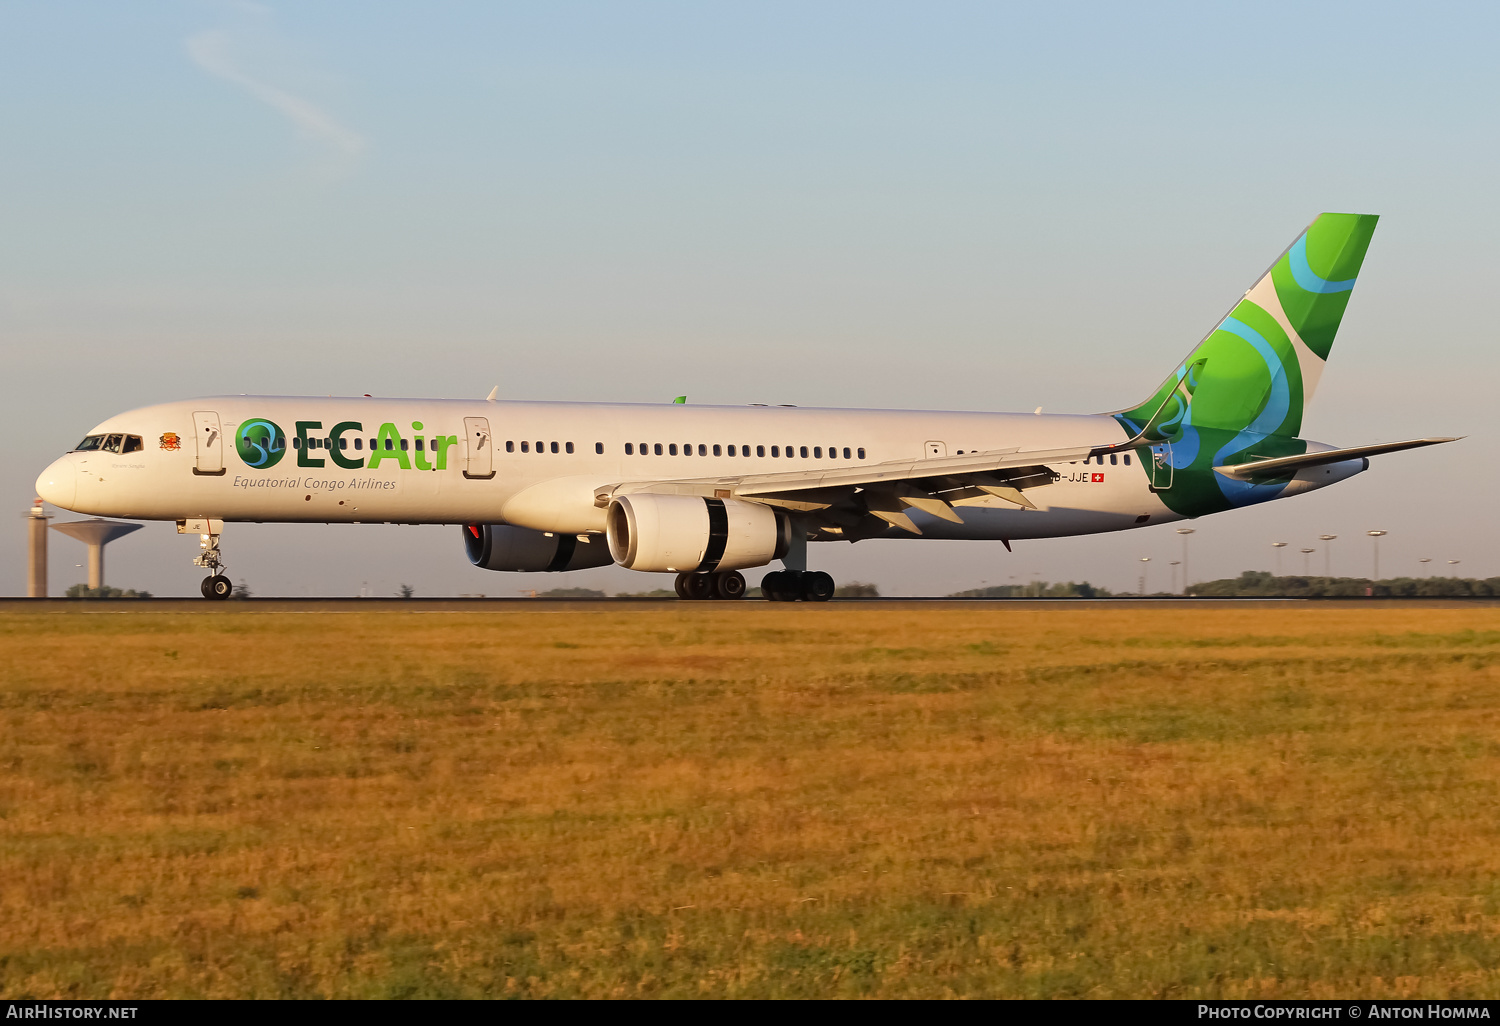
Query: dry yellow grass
{"type": "Point", "coordinates": [763, 800]}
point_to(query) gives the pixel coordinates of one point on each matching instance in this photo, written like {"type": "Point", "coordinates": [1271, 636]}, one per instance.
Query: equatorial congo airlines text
{"type": "Point", "coordinates": [1412, 1011]}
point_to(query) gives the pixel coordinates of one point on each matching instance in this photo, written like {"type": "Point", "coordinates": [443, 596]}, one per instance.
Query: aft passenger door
{"type": "Point", "coordinates": [1161, 467]}
{"type": "Point", "coordinates": [210, 444]}
{"type": "Point", "coordinates": [479, 449]}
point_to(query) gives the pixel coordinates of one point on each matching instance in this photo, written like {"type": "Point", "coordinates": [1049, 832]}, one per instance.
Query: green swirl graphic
{"type": "Point", "coordinates": [260, 443]}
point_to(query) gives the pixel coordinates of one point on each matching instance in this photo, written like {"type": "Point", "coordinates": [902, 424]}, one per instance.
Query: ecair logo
{"type": "Point", "coordinates": [261, 444]}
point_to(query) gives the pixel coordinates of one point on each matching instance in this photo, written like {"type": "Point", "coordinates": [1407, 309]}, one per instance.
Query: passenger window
{"type": "Point", "coordinates": [1114, 460]}
{"type": "Point", "coordinates": [390, 445]}
{"type": "Point", "coordinates": [359, 444]}
{"type": "Point", "coordinates": [629, 448]}
{"type": "Point", "coordinates": [861, 454]}
{"type": "Point", "coordinates": [133, 443]}
{"type": "Point", "coordinates": [599, 448]}
{"type": "Point", "coordinates": [554, 447]}
{"type": "Point", "coordinates": [731, 450]}
{"type": "Point", "coordinates": [846, 452]}
{"type": "Point", "coordinates": [525, 446]}
{"type": "Point", "coordinates": [1127, 459]}
{"type": "Point", "coordinates": [541, 447]}
{"type": "Point", "coordinates": [716, 451]}
{"type": "Point", "coordinates": [776, 450]}
{"type": "Point", "coordinates": [403, 445]}
{"type": "Point", "coordinates": [297, 442]}
{"type": "Point", "coordinates": [703, 449]}
{"type": "Point", "coordinates": [419, 445]}
{"type": "Point", "coordinates": [804, 452]}
{"type": "Point", "coordinates": [343, 443]}
{"type": "Point", "coordinates": [510, 446]}
{"type": "Point", "coordinates": [760, 450]}
{"type": "Point", "coordinates": [658, 448]}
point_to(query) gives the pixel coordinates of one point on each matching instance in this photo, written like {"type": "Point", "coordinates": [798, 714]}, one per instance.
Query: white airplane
{"type": "Point", "coordinates": [706, 491]}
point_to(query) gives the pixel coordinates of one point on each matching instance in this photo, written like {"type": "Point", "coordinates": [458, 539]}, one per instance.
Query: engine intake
{"type": "Point", "coordinates": [502, 547]}
{"type": "Point", "coordinates": [687, 533]}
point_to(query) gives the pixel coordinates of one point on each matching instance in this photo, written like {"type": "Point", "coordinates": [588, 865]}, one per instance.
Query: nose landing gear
{"type": "Point", "coordinates": [216, 585]}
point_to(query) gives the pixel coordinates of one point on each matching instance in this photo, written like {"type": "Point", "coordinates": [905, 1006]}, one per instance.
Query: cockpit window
{"type": "Point", "coordinates": [89, 444]}
{"type": "Point", "coordinates": [112, 443]}
{"type": "Point", "coordinates": [133, 443]}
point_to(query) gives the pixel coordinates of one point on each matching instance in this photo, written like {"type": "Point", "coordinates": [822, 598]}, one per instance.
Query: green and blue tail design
{"type": "Point", "coordinates": [1244, 388]}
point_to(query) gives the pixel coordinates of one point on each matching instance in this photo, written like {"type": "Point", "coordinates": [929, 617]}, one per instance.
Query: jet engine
{"type": "Point", "coordinates": [502, 547]}
{"type": "Point", "coordinates": [688, 533]}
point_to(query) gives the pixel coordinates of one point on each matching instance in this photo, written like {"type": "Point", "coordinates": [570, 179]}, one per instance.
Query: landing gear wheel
{"type": "Point", "coordinates": [817, 586]}
{"type": "Point", "coordinates": [217, 587]}
{"type": "Point", "coordinates": [729, 585]}
{"type": "Point", "coordinates": [782, 586]}
{"type": "Point", "coordinates": [680, 585]}
{"type": "Point", "coordinates": [697, 586]}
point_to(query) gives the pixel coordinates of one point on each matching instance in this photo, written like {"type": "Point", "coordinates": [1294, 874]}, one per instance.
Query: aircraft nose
{"type": "Point", "coordinates": [59, 483]}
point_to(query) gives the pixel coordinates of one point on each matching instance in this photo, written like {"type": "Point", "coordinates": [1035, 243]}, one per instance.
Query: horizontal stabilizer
{"type": "Point", "coordinates": [1285, 466]}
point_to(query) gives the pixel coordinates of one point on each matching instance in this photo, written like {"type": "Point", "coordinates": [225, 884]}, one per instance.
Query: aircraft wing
{"type": "Point", "coordinates": [1285, 466]}
{"type": "Point", "coordinates": [886, 490]}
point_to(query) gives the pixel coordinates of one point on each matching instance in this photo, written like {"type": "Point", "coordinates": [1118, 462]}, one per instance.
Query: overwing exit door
{"type": "Point", "coordinates": [479, 449]}
{"type": "Point", "coordinates": [210, 442]}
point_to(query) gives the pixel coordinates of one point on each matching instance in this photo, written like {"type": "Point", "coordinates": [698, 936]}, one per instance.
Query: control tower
{"type": "Point", "coordinates": [36, 564]}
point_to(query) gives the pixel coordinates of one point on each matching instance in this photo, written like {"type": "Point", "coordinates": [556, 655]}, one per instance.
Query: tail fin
{"type": "Point", "coordinates": [1256, 371]}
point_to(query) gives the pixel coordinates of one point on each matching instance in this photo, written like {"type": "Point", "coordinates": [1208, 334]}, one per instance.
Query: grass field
{"type": "Point", "coordinates": [759, 800]}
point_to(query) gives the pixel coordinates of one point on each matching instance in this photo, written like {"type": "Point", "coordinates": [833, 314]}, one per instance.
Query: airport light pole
{"type": "Point", "coordinates": [1144, 561]}
{"type": "Point", "coordinates": [1327, 553]}
{"type": "Point", "coordinates": [1174, 565]}
{"type": "Point", "coordinates": [1424, 561]}
{"type": "Point", "coordinates": [1278, 546]}
{"type": "Point", "coordinates": [1185, 531]}
{"type": "Point", "coordinates": [1375, 537]}
{"type": "Point", "coordinates": [1306, 554]}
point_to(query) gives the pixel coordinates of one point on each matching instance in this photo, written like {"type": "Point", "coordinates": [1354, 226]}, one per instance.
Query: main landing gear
{"type": "Point", "coordinates": [797, 585]}
{"type": "Point", "coordinates": [727, 585]}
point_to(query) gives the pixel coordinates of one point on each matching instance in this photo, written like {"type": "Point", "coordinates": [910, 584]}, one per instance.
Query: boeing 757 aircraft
{"type": "Point", "coordinates": [706, 491]}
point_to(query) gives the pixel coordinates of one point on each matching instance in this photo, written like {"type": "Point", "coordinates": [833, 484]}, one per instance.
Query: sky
{"type": "Point", "coordinates": [972, 206]}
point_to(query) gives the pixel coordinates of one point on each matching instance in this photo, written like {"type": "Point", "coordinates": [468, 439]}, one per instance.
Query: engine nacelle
{"type": "Point", "coordinates": [502, 547]}
{"type": "Point", "coordinates": [687, 533]}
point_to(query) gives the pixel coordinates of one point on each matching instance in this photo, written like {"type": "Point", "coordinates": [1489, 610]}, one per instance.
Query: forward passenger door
{"type": "Point", "coordinates": [210, 444]}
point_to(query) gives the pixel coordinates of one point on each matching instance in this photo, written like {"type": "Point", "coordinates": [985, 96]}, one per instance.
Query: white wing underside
{"type": "Point", "coordinates": [884, 490]}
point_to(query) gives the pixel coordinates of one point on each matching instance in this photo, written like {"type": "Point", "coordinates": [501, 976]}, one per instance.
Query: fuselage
{"type": "Point", "coordinates": [538, 464]}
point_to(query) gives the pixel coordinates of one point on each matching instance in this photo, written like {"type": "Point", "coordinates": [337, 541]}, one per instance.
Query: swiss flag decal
{"type": "Point", "coordinates": [1098, 478]}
